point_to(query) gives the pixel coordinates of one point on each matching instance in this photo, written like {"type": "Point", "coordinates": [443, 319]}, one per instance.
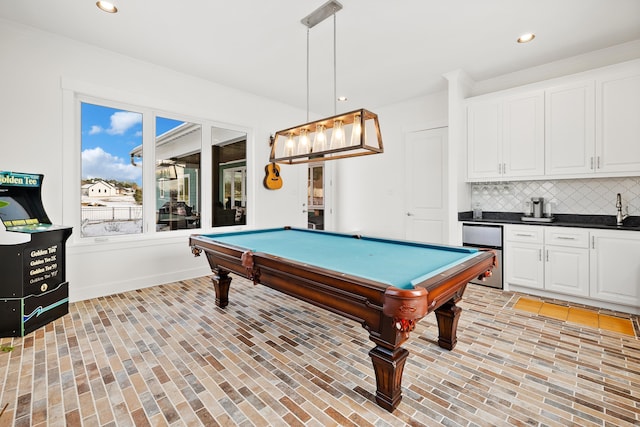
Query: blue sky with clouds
{"type": "Point", "coordinates": [108, 137]}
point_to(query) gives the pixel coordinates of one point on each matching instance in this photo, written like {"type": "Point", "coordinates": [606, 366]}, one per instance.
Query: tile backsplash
{"type": "Point", "coordinates": [592, 196]}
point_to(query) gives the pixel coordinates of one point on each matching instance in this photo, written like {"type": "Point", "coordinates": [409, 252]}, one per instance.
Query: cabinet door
{"type": "Point", "coordinates": [566, 270]}
{"type": "Point", "coordinates": [484, 140]}
{"type": "Point", "coordinates": [523, 139]}
{"type": "Point", "coordinates": [570, 129]}
{"type": "Point", "coordinates": [618, 122]}
{"type": "Point", "coordinates": [524, 266]}
{"type": "Point", "coordinates": [615, 266]}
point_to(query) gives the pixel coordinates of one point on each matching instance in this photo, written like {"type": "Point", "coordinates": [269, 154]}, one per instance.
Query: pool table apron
{"type": "Point", "coordinates": [388, 313]}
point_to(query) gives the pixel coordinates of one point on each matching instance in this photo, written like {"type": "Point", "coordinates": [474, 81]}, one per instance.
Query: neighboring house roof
{"type": "Point", "coordinates": [99, 184]}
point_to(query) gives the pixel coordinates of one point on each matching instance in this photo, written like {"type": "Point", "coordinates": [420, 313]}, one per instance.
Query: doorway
{"type": "Point", "coordinates": [316, 196]}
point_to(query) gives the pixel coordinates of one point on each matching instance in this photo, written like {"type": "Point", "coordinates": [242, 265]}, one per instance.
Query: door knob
{"type": "Point", "coordinates": [409, 214]}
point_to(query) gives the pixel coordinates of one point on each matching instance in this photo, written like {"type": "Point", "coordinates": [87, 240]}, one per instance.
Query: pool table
{"type": "Point", "coordinates": [386, 285]}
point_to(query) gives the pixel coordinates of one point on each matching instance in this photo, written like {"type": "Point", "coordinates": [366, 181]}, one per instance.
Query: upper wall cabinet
{"type": "Point", "coordinates": [570, 129]}
{"type": "Point", "coordinates": [575, 127]}
{"type": "Point", "coordinates": [484, 139]}
{"type": "Point", "coordinates": [618, 122]}
{"type": "Point", "coordinates": [505, 137]}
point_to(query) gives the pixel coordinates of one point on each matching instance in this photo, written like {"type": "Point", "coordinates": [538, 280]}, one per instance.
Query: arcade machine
{"type": "Point", "coordinates": [33, 288]}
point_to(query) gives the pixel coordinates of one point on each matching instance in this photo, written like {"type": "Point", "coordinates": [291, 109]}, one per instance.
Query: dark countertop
{"type": "Point", "coordinates": [605, 222]}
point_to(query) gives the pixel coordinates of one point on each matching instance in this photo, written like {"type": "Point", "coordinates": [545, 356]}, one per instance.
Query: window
{"type": "Point", "coordinates": [229, 178]}
{"type": "Point", "coordinates": [178, 192]}
{"type": "Point", "coordinates": [114, 167]}
{"type": "Point", "coordinates": [111, 184]}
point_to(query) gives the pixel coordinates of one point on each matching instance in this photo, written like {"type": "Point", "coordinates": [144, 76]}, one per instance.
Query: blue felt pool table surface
{"type": "Point", "coordinates": [394, 262]}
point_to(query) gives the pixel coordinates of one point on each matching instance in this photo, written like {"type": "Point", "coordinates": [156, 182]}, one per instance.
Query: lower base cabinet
{"type": "Point", "coordinates": [550, 258]}
{"type": "Point", "coordinates": [593, 264]}
{"type": "Point", "coordinates": [615, 266]}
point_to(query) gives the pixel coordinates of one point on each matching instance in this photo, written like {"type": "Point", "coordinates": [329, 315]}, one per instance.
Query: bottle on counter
{"type": "Point", "coordinates": [477, 211]}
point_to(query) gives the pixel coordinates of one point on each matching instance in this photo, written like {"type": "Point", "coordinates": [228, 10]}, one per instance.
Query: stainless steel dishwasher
{"type": "Point", "coordinates": [485, 236]}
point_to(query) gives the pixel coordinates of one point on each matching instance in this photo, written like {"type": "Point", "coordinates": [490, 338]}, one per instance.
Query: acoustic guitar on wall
{"type": "Point", "coordinates": [272, 181]}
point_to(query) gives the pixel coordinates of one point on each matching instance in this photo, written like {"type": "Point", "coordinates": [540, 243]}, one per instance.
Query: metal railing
{"type": "Point", "coordinates": [111, 213]}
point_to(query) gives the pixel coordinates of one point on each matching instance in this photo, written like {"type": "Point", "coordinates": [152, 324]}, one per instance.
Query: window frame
{"type": "Point", "coordinates": [73, 94]}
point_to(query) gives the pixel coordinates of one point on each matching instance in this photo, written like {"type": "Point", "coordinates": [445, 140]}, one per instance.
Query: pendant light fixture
{"type": "Point", "coordinates": [352, 134]}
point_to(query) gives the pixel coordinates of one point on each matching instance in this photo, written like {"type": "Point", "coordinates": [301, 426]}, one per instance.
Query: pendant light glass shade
{"type": "Point", "coordinates": [337, 135]}
{"type": "Point", "coordinates": [356, 131]}
{"type": "Point", "coordinates": [320, 141]}
{"type": "Point", "coordinates": [303, 142]}
{"type": "Point", "coordinates": [291, 145]}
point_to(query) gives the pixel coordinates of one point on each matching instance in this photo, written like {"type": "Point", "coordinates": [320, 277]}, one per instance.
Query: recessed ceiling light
{"type": "Point", "coordinates": [342, 98]}
{"type": "Point", "coordinates": [526, 38]}
{"type": "Point", "coordinates": [106, 6]}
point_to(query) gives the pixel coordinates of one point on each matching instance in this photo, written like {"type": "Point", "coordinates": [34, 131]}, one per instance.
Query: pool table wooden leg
{"type": "Point", "coordinates": [388, 366]}
{"type": "Point", "coordinates": [221, 283]}
{"type": "Point", "coordinates": [448, 315]}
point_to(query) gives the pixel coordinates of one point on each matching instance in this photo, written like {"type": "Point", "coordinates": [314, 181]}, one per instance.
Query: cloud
{"type": "Point", "coordinates": [95, 129]}
{"type": "Point", "coordinates": [97, 163]}
{"type": "Point", "coordinates": [121, 121]}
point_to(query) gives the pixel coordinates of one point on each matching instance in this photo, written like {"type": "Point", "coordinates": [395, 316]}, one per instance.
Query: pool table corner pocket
{"type": "Point", "coordinates": [405, 306]}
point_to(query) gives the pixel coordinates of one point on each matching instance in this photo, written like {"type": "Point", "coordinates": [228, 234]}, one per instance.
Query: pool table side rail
{"type": "Point", "coordinates": [445, 285]}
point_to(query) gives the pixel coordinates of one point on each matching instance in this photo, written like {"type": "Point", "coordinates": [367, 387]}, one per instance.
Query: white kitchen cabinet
{"type": "Point", "coordinates": [550, 258]}
{"type": "Point", "coordinates": [570, 129]}
{"type": "Point", "coordinates": [566, 255]}
{"type": "Point", "coordinates": [524, 264]}
{"type": "Point", "coordinates": [484, 140]}
{"type": "Point", "coordinates": [505, 137]}
{"type": "Point", "coordinates": [579, 126]}
{"type": "Point", "coordinates": [523, 143]}
{"type": "Point", "coordinates": [618, 121]}
{"type": "Point", "coordinates": [615, 266]}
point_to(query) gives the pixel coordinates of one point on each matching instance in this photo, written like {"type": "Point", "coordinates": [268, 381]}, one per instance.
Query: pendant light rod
{"type": "Point", "coordinates": [321, 13]}
{"type": "Point", "coordinates": [335, 93]}
{"type": "Point", "coordinates": [307, 74]}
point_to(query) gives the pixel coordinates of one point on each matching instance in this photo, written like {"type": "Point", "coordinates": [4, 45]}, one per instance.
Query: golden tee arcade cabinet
{"type": "Point", "coordinates": [33, 288]}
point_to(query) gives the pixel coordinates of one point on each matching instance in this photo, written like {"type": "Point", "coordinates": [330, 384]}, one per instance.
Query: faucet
{"type": "Point", "coordinates": [619, 216]}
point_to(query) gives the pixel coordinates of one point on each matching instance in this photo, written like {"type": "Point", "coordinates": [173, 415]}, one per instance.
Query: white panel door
{"type": "Point", "coordinates": [425, 185]}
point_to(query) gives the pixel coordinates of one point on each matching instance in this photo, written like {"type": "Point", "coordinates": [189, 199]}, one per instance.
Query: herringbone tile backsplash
{"type": "Point", "coordinates": [595, 196]}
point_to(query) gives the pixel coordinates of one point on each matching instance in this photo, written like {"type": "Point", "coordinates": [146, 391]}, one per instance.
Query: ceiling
{"type": "Point", "coordinates": [387, 51]}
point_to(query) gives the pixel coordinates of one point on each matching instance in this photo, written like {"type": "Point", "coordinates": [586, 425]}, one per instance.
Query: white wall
{"type": "Point", "coordinates": [35, 135]}
{"type": "Point", "coordinates": [368, 191]}
{"type": "Point", "coordinates": [370, 197]}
